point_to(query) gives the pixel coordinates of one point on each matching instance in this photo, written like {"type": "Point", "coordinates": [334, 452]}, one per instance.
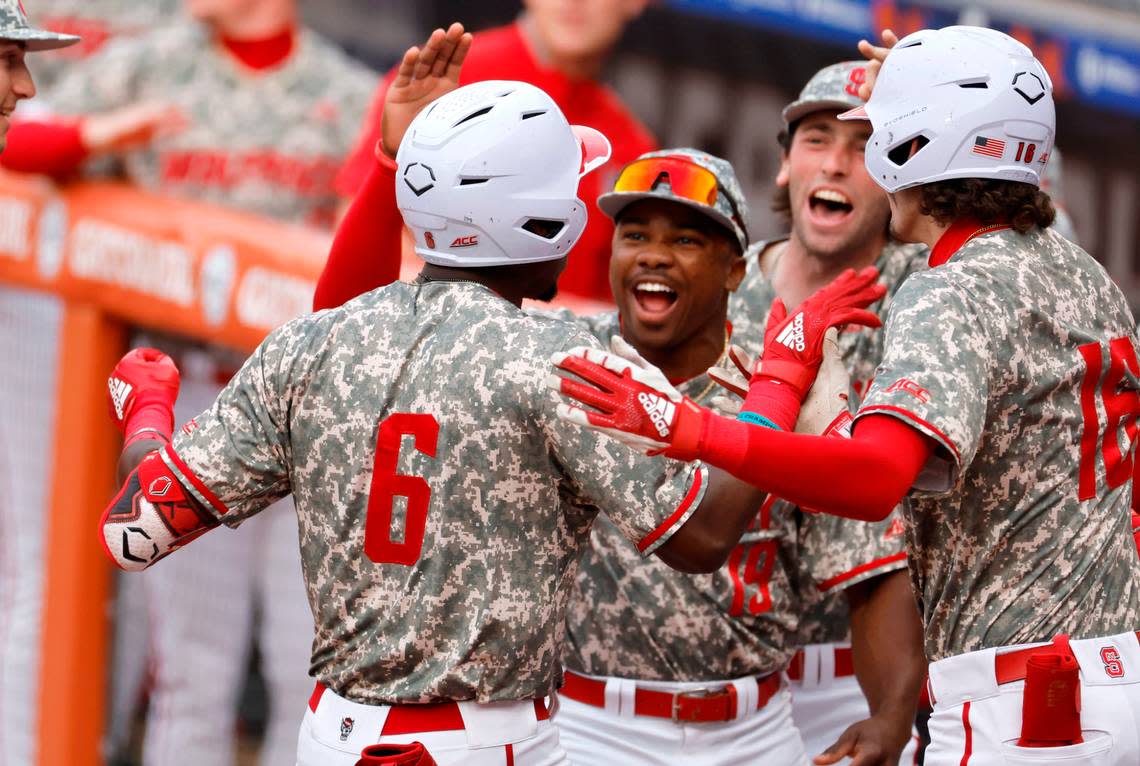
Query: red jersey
{"type": "Point", "coordinates": [503, 54]}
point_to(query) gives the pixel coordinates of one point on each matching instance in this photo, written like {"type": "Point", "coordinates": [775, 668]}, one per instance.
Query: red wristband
{"type": "Point", "coordinates": [149, 420]}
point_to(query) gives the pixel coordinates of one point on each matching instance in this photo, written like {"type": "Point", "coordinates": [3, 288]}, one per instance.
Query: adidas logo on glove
{"type": "Point", "coordinates": [660, 410]}
{"type": "Point", "coordinates": [792, 336]}
{"type": "Point", "coordinates": [120, 390]}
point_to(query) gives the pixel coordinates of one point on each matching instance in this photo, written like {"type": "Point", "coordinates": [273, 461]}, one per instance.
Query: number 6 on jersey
{"type": "Point", "coordinates": [388, 485]}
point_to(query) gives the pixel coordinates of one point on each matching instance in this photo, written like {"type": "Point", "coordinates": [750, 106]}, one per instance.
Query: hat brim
{"type": "Point", "coordinates": [858, 113]}
{"type": "Point", "coordinates": [40, 40]}
{"type": "Point", "coordinates": [796, 111]}
{"type": "Point", "coordinates": [612, 203]}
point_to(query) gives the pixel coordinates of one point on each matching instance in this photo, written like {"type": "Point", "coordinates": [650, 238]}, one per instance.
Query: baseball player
{"type": "Point", "coordinates": [29, 323]}
{"type": "Point", "coordinates": [267, 111]}
{"type": "Point", "coordinates": [441, 516]}
{"type": "Point", "coordinates": [837, 219]}
{"type": "Point", "coordinates": [1005, 404]}
{"type": "Point", "coordinates": [672, 285]}
{"type": "Point", "coordinates": [562, 52]}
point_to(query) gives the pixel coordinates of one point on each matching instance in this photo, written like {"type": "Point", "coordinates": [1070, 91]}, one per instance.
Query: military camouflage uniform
{"type": "Point", "coordinates": [834, 553]}
{"type": "Point", "coordinates": [96, 22]}
{"type": "Point", "coordinates": [270, 142]}
{"type": "Point", "coordinates": [1013, 537]}
{"type": "Point", "coordinates": [633, 617]}
{"type": "Point", "coordinates": [479, 614]}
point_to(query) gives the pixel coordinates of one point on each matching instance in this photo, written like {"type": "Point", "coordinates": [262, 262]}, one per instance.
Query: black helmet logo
{"type": "Point", "coordinates": [419, 178]}
{"type": "Point", "coordinates": [1029, 86]}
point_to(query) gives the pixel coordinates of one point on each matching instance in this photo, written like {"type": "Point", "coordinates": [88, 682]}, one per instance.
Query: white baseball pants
{"type": "Point", "coordinates": [825, 704]}
{"type": "Point", "coordinates": [498, 734]}
{"type": "Point", "coordinates": [594, 735]}
{"type": "Point", "coordinates": [977, 721]}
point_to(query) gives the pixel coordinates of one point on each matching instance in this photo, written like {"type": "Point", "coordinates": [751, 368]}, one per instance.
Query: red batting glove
{"type": "Point", "coordinates": [631, 401]}
{"type": "Point", "coordinates": [793, 345]}
{"type": "Point", "coordinates": [141, 393]}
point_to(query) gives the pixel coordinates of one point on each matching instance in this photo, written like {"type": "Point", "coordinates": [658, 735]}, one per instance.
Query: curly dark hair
{"type": "Point", "coordinates": [989, 201]}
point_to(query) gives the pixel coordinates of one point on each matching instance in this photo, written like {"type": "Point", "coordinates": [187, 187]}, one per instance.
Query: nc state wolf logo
{"type": "Point", "coordinates": [346, 725]}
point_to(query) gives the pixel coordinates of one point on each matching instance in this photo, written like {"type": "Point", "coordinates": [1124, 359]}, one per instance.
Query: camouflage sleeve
{"type": "Point", "coordinates": [935, 373]}
{"type": "Point", "coordinates": [837, 553]}
{"type": "Point", "coordinates": [108, 80]}
{"type": "Point", "coordinates": [235, 457]}
{"type": "Point", "coordinates": [647, 498]}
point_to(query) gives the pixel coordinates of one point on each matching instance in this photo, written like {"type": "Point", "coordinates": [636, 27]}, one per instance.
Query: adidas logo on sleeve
{"type": "Point", "coordinates": [792, 336]}
{"type": "Point", "coordinates": [660, 410]}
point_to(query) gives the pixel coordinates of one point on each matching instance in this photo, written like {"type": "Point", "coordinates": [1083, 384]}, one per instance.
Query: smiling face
{"type": "Point", "coordinates": [15, 84]}
{"type": "Point", "coordinates": [835, 206]}
{"type": "Point", "coordinates": [671, 271]}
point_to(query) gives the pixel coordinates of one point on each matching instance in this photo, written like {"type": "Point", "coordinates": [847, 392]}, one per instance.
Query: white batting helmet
{"type": "Point", "coordinates": [978, 101]}
{"type": "Point", "coordinates": [488, 176]}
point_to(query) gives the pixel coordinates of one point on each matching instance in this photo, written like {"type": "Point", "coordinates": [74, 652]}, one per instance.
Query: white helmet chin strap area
{"type": "Point", "coordinates": [959, 102]}
{"type": "Point", "coordinates": [488, 176]}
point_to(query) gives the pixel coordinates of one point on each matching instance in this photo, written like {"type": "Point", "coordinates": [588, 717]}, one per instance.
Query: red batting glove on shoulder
{"type": "Point", "coordinates": [793, 345]}
{"type": "Point", "coordinates": [141, 393]}
{"type": "Point", "coordinates": [630, 400]}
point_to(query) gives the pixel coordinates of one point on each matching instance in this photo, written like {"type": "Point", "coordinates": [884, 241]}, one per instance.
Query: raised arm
{"type": "Point", "coordinates": [365, 253]}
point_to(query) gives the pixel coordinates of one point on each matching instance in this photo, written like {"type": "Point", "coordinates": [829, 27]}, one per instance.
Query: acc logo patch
{"type": "Point", "coordinates": [470, 241]}
{"type": "Point", "coordinates": [910, 387]}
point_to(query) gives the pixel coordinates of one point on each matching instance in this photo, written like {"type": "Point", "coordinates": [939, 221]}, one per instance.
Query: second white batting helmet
{"type": "Point", "coordinates": [488, 176]}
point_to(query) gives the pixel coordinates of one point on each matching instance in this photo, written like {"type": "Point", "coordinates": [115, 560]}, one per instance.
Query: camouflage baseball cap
{"type": "Point", "coordinates": [729, 209]}
{"type": "Point", "coordinates": [14, 25]}
{"type": "Point", "coordinates": [833, 87]}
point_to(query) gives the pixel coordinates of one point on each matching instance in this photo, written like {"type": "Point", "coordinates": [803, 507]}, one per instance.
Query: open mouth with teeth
{"type": "Point", "coordinates": [829, 206]}
{"type": "Point", "coordinates": [654, 298]}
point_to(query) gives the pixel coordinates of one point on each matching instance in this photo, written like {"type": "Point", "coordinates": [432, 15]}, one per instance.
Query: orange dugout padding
{"type": "Point", "coordinates": [118, 258]}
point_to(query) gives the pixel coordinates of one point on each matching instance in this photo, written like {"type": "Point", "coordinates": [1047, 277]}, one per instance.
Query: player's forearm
{"type": "Point", "coordinates": [365, 252]}
{"type": "Point", "coordinates": [863, 478]}
{"type": "Point", "coordinates": [704, 542]}
{"type": "Point", "coordinates": [48, 147]}
{"type": "Point", "coordinates": [887, 645]}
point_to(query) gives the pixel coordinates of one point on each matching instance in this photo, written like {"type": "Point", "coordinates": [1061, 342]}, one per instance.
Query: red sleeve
{"type": "Point", "coordinates": [355, 169]}
{"type": "Point", "coordinates": [863, 477]}
{"type": "Point", "coordinates": [365, 251]}
{"type": "Point", "coordinates": [53, 148]}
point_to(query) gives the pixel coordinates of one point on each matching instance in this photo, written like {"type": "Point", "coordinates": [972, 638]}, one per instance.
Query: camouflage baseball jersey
{"type": "Point", "coordinates": [634, 617]}
{"type": "Point", "coordinates": [1017, 358]}
{"type": "Point", "coordinates": [834, 553]}
{"type": "Point", "coordinates": [96, 22]}
{"type": "Point", "coordinates": [268, 142]}
{"type": "Point", "coordinates": [442, 504]}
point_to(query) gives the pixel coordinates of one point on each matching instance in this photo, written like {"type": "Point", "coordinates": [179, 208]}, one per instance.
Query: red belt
{"type": "Point", "coordinates": [693, 706]}
{"type": "Point", "coordinates": [413, 719]}
{"type": "Point", "coordinates": [844, 664]}
{"type": "Point", "coordinates": [1010, 667]}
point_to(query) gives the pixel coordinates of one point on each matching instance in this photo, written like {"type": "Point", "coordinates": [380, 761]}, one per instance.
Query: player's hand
{"type": "Point", "coordinates": [629, 399]}
{"type": "Point", "coordinates": [793, 345]}
{"type": "Point", "coordinates": [130, 127]}
{"type": "Point", "coordinates": [875, 55]}
{"type": "Point", "coordinates": [424, 75]}
{"type": "Point", "coordinates": [871, 742]}
{"type": "Point", "coordinates": [144, 379]}
{"type": "Point", "coordinates": [825, 410]}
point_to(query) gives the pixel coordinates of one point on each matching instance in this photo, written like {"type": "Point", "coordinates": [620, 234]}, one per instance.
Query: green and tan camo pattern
{"type": "Point", "coordinates": [833, 87]}
{"type": "Point", "coordinates": [14, 25]}
{"type": "Point", "coordinates": [513, 490]}
{"type": "Point", "coordinates": [268, 142]}
{"type": "Point", "coordinates": [635, 617]}
{"type": "Point", "coordinates": [831, 547]}
{"type": "Point", "coordinates": [1002, 549]}
{"type": "Point", "coordinates": [97, 22]}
